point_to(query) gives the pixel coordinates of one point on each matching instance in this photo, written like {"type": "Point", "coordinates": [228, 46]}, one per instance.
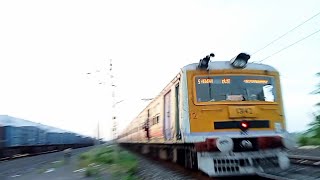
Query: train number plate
{"type": "Point", "coordinates": [242, 111]}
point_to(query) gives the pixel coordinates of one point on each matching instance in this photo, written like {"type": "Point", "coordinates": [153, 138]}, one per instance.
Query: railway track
{"type": "Point", "coordinates": [156, 168]}
{"type": "Point", "coordinates": [302, 167]}
{"type": "Point", "coordinates": [25, 168]}
{"type": "Point", "coordinates": [305, 160]}
{"type": "Point", "coordinates": [17, 156]}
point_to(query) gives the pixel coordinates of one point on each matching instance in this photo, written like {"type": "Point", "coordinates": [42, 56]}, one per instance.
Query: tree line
{"type": "Point", "coordinates": [312, 135]}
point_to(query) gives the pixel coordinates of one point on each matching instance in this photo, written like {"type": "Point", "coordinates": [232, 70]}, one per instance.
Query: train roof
{"type": "Point", "coordinates": [51, 129]}
{"type": "Point", "coordinates": [221, 65]}
{"type": "Point", "coordinates": [6, 120]}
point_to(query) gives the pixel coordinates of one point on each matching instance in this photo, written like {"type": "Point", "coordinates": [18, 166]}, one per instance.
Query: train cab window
{"type": "Point", "coordinates": [235, 88]}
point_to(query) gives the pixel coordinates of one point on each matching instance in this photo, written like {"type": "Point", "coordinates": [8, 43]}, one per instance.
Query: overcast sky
{"type": "Point", "coordinates": [47, 48]}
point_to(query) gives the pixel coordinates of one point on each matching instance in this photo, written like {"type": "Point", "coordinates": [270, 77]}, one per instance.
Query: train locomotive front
{"type": "Point", "coordinates": [225, 118]}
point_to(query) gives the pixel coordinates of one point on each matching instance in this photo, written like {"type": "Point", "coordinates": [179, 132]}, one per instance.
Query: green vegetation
{"type": "Point", "coordinates": [312, 135]}
{"type": "Point", "coordinates": [92, 171]}
{"type": "Point", "coordinates": [111, 159]}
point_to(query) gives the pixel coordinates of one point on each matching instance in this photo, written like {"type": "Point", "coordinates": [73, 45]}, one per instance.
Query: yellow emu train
{"type": "Point", "coordinates": [224, 118]}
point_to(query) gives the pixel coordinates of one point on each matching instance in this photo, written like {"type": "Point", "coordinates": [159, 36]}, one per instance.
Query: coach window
{"type": "Point", "coordinates": [154, 120]}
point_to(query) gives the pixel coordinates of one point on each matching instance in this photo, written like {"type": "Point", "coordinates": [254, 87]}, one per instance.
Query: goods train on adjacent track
{"type": "Point", "coordinates": [225, 118]}
{"type": "Point", "coordinates": [18, 136]}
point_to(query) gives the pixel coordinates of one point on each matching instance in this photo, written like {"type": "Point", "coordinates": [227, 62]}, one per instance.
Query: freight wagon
{"type": "Point", "coordinates": [18, 136]}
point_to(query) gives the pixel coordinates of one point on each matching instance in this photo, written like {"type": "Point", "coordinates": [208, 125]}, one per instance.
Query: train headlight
{"type": "Point", "coordinates": [240, 61]}
{"type": "Point", "coordinates": [224, 144]}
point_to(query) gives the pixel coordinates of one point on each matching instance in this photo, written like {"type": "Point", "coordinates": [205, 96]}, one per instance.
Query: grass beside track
{"type": "Point", "coordinates": [113, 160]}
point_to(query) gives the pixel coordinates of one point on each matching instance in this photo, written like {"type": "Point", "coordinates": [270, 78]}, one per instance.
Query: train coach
{"type": "Point", "coordinates": [224, 118]}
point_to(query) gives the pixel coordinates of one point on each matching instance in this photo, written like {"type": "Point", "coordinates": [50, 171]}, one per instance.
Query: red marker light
{"type": "Point", "coordinates": [244, 125]}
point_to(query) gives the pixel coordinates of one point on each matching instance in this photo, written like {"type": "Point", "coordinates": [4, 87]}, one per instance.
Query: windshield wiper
{"type": "Point", "coordinates": [239, 97]}
{"type": "Point", "coordinates": [247, 95]}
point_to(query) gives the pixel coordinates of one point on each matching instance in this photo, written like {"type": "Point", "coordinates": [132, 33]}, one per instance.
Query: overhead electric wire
{"type": "Point", "coordinates": [290, 45]}
{"type": "Point", "coordinates": [286, 33]}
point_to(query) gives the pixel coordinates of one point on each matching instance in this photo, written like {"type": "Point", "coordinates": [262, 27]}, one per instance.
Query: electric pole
{"type": "Point", "coordinates": [98, 133]}
{"type": "Point", "coordinates": [114, 121]}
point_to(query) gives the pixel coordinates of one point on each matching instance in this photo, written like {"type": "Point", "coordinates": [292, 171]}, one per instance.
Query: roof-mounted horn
{"type": "Point", "coordinates": [203, 63]}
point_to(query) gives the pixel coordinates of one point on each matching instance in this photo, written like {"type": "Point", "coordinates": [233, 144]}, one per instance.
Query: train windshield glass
{"type": "Point", "coordinates": [235, 88]}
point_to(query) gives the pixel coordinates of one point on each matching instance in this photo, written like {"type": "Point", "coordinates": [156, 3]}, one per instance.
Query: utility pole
{"type": "Point", "coordinates": [114, 121]}
{"type": "Point", "coordinates": [98, 143]}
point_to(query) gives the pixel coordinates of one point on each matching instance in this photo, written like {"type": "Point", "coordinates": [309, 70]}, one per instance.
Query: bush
{"type": "Point", "coordinates": [129, 162]}
{"type": "Point", "coordinates": [105, 150]}
{"type": "Point", "coordinates": [84, 156]}
{"type": "Point", "coordinates": [91, 171]}
{"type": "Point", "coordinates": [124, 164]}
{"type": "Point", "coordinates": [126, 156]}
{"type": "Point", "coordinates": [129, 177]}
{"type": "Point", "coordinates": [314, 141]}
{"type": "Point", "coordinates": [303, 140]}
{"type": "Point", "coordinates": [104, 158]}
{"type": "Point", "coordinates": [133, 169]}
